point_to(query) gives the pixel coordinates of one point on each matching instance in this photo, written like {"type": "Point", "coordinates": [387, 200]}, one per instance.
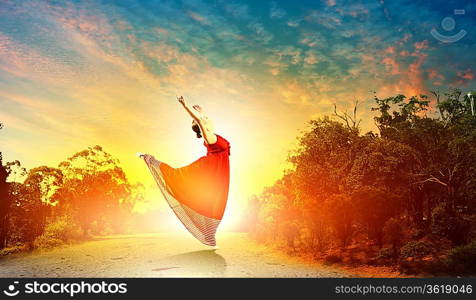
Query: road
{"type": "Point", "coordinates": [162, 255]}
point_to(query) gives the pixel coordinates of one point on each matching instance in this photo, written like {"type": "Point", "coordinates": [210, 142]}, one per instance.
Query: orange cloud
{"type": "Point", "coordinates": [392, 65]}
{"type": "Point", "coordinates": [390, 50]}
{"type": "Point", "coordinates": [410, 82]}
{"type": "Point", "coordinates": [433, 74]}
{"type": "Point", "coordinates": [199, 18]}
{"type": "Point", "coordinates": [463, 77]}
{"type": "Point", "coordinates": [421, 45]}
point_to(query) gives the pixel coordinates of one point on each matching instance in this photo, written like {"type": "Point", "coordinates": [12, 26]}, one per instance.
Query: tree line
{"type": "Point", "coordinates": [87, 194]}
{"type": "Point", "coordinates": [404, 195]}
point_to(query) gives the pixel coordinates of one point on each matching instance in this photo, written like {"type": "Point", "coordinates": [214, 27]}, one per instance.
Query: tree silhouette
{"type": "Point", "coordinates": [4, 201]}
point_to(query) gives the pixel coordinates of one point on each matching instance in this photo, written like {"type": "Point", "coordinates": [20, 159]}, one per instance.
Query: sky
{"type": "Point", "coordinates": [75, 74]}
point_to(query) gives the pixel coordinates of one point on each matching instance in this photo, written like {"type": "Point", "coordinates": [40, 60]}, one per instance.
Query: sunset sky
{"type": "Point", "coordinates": [79, 73]}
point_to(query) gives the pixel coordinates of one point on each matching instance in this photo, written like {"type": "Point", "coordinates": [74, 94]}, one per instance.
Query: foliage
{"type": "Point", "coordinates": [448, 225]}
{"type": "Point", "coordinates": [386, 253]}
{"type": "Point", "coordinates": [332, 259]}
{"type": "Point", "coordinates": [411, 183]}
{"type": "Point", "coordinates": [58, 232]}
{"type": "Point", "coordinates": [462, 259]}
{"type": "Point", "coordinates": [45, 242]}
{"type": "Point", "coordinates": [12, 250]}
{"type": "Point", "coordinates": [393, 233]}
{"type": "Point", "coordinates": [96, 191]}
{"type": "Point", "coordinates": [416, 249]}
{"type": "Point", "coordinates": [88, 193]}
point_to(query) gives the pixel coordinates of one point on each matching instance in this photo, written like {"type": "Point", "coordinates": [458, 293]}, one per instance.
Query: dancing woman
{"type": "Point", "coordinates": [197, 193]}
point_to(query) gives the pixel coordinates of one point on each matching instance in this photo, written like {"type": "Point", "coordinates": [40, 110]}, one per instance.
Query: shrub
{"type": "Point", "coordinates": [449, 225]}
{"type": "Point", "coordinates": [46, 242]}
{"type": "Point", "coordinates": [12, 249]}
{"type": "Point", "coordinates": [61, 231]}
{"type": "Point", "coordinates": [385, 253]}
{"type": "Point", "coordinates": [416, 249]}
{"type": "Point", "coordinates": [393, 233]}
{"type": "Point", "coordinates": [332, 259]}
{"type": "Point", "coordinates": [462, 260]}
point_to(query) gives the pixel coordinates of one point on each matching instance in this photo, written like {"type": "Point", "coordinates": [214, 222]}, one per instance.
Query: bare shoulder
{"type": "Point", "coordinates": [212, 139]}
{"type": "Point", "coordinates": [207, 124]}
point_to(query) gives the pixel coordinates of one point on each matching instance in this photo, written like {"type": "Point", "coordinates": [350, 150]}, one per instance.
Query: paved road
{"type": "Point", "coordinates": [162, 255]}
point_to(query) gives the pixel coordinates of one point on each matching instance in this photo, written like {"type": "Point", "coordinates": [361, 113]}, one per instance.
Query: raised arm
{"type": "Point", "coordinates": [197, 114]}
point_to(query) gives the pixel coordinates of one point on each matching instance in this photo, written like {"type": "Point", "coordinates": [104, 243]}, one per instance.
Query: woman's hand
{"type": "Point", "coordinates": [195, 111]}
{"type": "Point", "coordinates": [181, 100]}
{"type": "Point", "coordinates": [198, 108]}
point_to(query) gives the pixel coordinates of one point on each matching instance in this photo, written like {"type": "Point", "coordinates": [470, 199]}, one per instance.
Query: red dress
{"type": "Point", "coordinates": [197, 193]}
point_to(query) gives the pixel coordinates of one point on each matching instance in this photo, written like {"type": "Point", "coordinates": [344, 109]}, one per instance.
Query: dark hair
{"type": "Point", "coordinates": [196, 128]}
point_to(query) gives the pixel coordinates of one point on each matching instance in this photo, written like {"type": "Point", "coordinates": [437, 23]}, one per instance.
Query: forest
{"type": "Point", "coordinates": [87, 194]}
{"type": "Point", "coordinates": [403, 196]}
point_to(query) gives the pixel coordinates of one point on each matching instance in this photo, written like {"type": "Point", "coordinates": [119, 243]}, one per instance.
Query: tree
{"type": "Point", "coordinates": [374, 208]}
{"type": "Point", "coordinates": [95, 192]}
{"type": "Point", "coordinates": [322, 163]}
{"type": "Point", "coordinates": [393, 232]}
{"type": "Point", "coordinates": [404, 121]}
{"type": "Point", "coordinates": [4, 203]}
{"type": "Point", "coordinates": [340, 215]}
{"type": "Point", "coordinates": [33, 201]}
{"type": "Point", "coordinates": [454, 107]}
{"type": "Point", "coordinates": [8, 170]}
{"type": "Point", "coordinates": [415, 178]}
{"type": "Point", "coordinates": [350, 120]}
{"type": "Point", "coordinates": [324, 158]}
{"type": "Point", "coordinates": [408, 111]}
{"type": "Point", "coordinates": [450, 158]}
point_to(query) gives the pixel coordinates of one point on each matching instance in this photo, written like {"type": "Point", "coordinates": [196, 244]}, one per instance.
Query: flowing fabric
{"type": "Point", "coordinates": [197, 193]}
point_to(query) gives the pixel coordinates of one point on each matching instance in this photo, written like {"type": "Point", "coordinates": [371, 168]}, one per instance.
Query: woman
{"type": "Point", "coordinates": [197, 193]}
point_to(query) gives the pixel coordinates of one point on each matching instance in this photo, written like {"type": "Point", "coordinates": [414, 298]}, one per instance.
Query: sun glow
{"type": "Point", "coordinates": [79, 74]}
